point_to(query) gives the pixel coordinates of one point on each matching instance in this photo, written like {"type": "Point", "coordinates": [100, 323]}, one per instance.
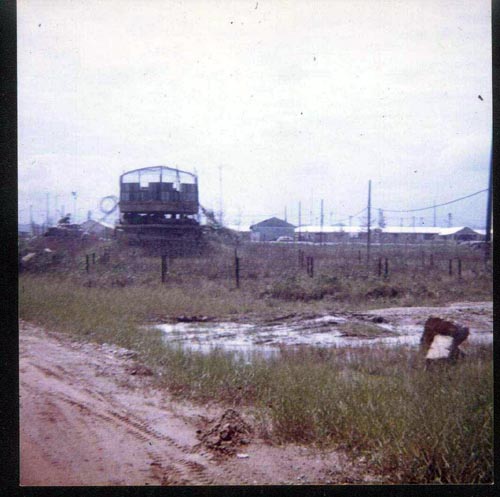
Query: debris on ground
{"type": "Point", "coordinates": [25, 259]}
{"type": "Point", "coordinates": [441, 340]}
{"type": "Point", "coordinates": [384, 291]}
{"type": "Point", "coordinates": [193, 319]}
{"type": "Point", "coordinates": [140, 370]}
{"type": "Point", "coordinates": [227, 434]}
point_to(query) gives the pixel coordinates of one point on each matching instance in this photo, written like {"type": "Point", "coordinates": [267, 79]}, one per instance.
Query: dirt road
{"type": "Point", "coordinates": [91, 416]}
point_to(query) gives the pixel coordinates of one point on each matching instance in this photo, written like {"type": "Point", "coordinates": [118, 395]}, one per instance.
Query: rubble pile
{"type": "Point", "coordinates": [227, 434]}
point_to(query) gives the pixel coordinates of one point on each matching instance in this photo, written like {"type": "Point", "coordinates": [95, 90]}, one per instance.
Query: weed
{"type": "Point", "coordinates": [414, 426]}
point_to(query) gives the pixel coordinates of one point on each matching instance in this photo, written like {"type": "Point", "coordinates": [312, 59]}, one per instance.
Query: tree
{"type": "Point", "coordinates": [381, 219]}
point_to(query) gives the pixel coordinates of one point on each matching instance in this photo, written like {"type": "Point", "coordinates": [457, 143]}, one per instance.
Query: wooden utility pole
{"type": "Point", "coordinates": [56, 205]}
{"type": "Point", "coordinates": [237, 268]}
{"type": "Point", "coordinates": [74, 194]}
{"type": "Point", "coordinates": [311, 222]}
{"type": "Point", "coordinates": [32, 224]}
{"type": "Point", "coordinates": [47, 210]}
{"type": "Point", "coordinates": [321, 220]}
{"type": "Point", "coordinates": [221, 208]}
{"type": "Point", "coordinates": [164, 268]}
{"type": "Point", "coordinates": [487, 238]}
{"type": "Point", "coordinates": [369, 222]}
{"type": "Point", "coordinates": [300, 219]}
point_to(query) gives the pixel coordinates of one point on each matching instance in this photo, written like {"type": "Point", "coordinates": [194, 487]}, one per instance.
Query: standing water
{"type": "Point", "coordinates": [268, 339]}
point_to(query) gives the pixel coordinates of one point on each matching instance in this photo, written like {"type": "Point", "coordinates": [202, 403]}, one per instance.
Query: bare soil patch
{"type": "Point", "coordinates": [90, 415]}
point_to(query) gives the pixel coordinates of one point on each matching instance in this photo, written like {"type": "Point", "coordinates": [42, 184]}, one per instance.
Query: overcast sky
{"type": "Point", "coordinates": [294, 100]}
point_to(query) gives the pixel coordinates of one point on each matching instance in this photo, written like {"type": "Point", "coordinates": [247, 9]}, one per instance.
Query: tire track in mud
{"type": "Point", "coordinates": [86, 421]}
{"type": "Point", "coordinates": [182, 468]}
{"type": "Point", "coordinates": [171, 461]}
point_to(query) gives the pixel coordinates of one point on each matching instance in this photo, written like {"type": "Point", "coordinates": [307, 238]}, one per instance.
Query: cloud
{"type": "Point", "coordinates": [291, 97]}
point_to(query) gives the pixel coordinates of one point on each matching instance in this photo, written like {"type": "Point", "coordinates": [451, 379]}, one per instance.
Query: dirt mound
{"type": "Point", "coordinates": [227, 434]}
{"type": "Point", "coordinates": [384, 291]}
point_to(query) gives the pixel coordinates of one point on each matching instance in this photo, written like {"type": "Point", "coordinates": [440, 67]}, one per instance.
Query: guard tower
{"type": "Point", "coordinates": [159, 206]}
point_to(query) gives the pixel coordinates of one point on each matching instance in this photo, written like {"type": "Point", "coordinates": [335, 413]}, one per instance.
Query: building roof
{"type": "Point", "coordinates": [455, 230]}
{"type": "Point", "coordinates": [430, 230]}
{"type": "Point", "coordinates": [482, 231]}
{"type": "Point", "coordinates": [92, 224]}
{"type": "Point", "coordinates": [272, 222]}
{"type": "Point", "coordinates": [239, 227]}
{"type": "Point", "coordinates": [329, 229]}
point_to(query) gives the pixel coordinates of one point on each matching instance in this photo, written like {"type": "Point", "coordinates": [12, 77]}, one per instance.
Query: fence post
{"type": "Point", "coordinates": [380, 266]}
{"type": "Point", "coordinates": [87, 265]}
{"type": "Point", "coordinates": [301, 258]}
{"type": "Point", "coordinates": [93, 257]}
{"type": "Point", "coordinates": [386, 268]}
{"type": "Point", "coordinates": [163, 268]}
{"type": "Point", "coordinates": [432, 260]}
{"type": "Point", "coordinates": [450, 267]}
{"type": "Point", "coordinates": [310, 266]}
{"type": "Point", "coordinates": [359, 255]}
{"type": "Point", "coordinates": [237, 268]}
{"type": "Point", "coordinates": [459, 268]}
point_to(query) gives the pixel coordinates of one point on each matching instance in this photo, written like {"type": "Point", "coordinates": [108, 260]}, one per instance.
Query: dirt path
{"type": "Point", "coordinates": [90, 416]}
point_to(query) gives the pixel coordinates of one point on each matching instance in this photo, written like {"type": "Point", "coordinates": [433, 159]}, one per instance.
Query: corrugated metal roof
{"type": "Point", "coordinates": [482, 231]}
{"type": "Point", "coordinates": [330, 229]}
{"type": "Point", "coordinates": [273, 222]}
{"type": "Point", "coordinates": [90, 223]}
{"type": "Point", "coordinates": [454, 230]}
{"type": "Point", "coordinates": [239, 227]}
{"type": "Point", "coordinates": [431, 230]}
{"type": "Point", "coordinates": [417, 230]}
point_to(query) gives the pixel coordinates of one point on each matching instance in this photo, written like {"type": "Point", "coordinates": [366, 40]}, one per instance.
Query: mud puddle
{"type": "Point", "coordinates": [382, 327]}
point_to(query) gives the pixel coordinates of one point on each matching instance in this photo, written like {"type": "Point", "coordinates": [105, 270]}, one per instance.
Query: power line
{"type": "Point", "coordinates": [438, 205]}
{"type": "Point", "coordinates": [352, 215]}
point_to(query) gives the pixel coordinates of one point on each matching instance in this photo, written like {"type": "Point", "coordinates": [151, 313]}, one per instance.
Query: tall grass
{"type": "Point", "coordinates": [412, 425]}
{"type": "Point", "coordinates": [341, 279]}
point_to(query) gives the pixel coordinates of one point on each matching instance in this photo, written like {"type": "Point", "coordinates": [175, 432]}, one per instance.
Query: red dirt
{"type": "Point", "coordinates": [90, 415]}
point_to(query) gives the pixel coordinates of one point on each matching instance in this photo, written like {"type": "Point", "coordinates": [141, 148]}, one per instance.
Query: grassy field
{"type": "Point", "coordinates": [411, 425]}
{"type": "Point", "coordinates": [276, 274]}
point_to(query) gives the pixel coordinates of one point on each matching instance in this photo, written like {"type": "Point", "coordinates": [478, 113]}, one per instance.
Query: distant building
{"type": "Point", "coordinates": [97, 228]}
{"type": "Point", "coordinates": [24, 230]}
{"type": "Point", "coordinates": [408, 234]}
{"type": "Point", "coordinates": [462, 234]}
{"type": "Point", "coordinates": [28, 230]}
{"type": "Point", "coordinates": [271, 229]}
{"type": "Point", "coordinates": [242, 229]}
{"type": "Point", "coordinates": [327, 234]}
{"type": "Point", "coordinates": [389, 234]}
{"type": "Point", "coordinates": [64, 231]}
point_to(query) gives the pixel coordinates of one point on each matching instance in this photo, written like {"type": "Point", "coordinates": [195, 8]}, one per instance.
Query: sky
{"type": "Point", "coordinates": [271, 103]}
